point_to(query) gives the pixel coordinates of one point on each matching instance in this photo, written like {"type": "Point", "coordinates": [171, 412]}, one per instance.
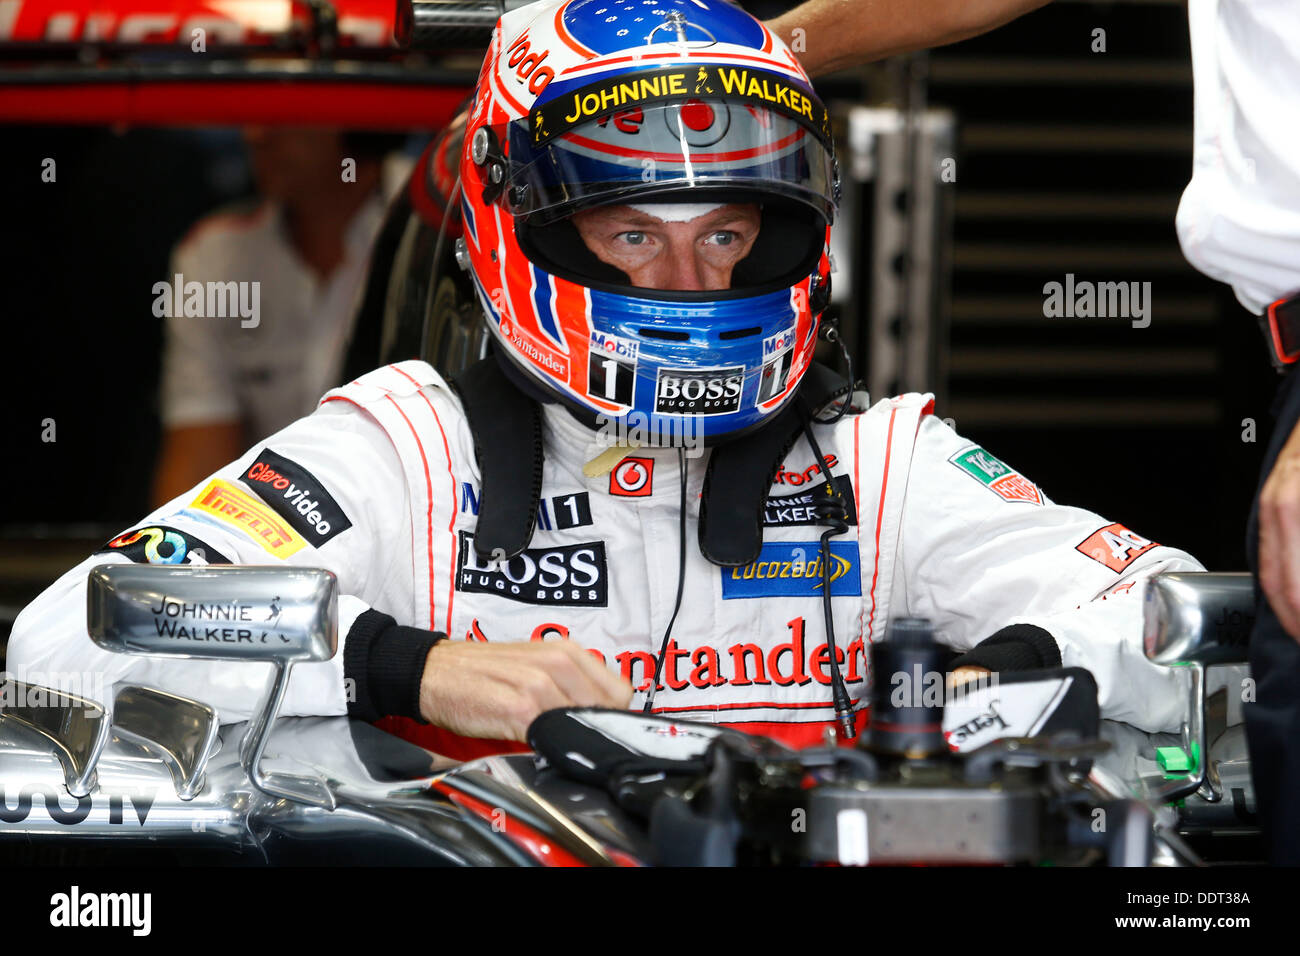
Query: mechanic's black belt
{"type": "Point", "coordinates": [1280, 324]}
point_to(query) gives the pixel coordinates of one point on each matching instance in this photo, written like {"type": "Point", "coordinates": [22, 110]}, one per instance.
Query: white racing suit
{"type": "Point", "coordinates": [381, 486]}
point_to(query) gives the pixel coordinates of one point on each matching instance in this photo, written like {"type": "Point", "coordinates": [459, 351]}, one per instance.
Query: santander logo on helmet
{"type": "Point", "coordinates": [700, 107]}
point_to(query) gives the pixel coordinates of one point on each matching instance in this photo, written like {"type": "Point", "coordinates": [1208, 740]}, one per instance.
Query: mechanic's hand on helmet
{"type": "Point", "coordinates": [1279, 536]}
{"type": "Point", "coordinates": [495, 690]}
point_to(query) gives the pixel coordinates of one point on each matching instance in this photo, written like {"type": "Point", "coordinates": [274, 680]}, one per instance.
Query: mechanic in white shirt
{"type": "Point", "coordinates": [1238, 222]}
{"type": "Point", "coordinates": [235, 376]}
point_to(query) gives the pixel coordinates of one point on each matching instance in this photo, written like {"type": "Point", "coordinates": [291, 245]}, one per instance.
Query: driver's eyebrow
{"type": "Point", "coordinates": [639, 220]}
{"type": "Point", "coordinates": [632, 220]}
{"type": "Point", "coordinates": [725, 219]}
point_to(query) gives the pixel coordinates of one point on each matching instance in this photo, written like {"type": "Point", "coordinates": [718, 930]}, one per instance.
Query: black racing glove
{"type": "Point", "coordinates": [1017, 647]}
{"type": "Point", "coordinates": [385, 662]}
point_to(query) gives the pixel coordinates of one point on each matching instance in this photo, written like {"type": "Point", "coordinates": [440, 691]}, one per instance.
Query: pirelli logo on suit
{"type": "Point", "coordinates": [229, 505]}
{"type": "Point", "coordinates": [742, 85]}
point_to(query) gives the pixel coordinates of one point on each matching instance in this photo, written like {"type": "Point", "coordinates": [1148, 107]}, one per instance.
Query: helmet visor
{"type": "Point", "coordinates": [697, 142]}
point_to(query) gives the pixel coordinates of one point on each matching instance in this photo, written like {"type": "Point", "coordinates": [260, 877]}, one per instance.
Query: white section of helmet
{"type": "Point", "coordinates": [676, 211]}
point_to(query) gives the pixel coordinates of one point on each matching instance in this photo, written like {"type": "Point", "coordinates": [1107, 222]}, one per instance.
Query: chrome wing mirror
{"type": "Point", "coordinates": [1193, 619]}
{"type": "Point", "coordinates": [278, 615]}
{"type": "Point", "coordinates": [75, 728]}
{"type": "Point", "coordinates": [1198, 617]}
{"type": "Point", "coordinates": [179, 731]}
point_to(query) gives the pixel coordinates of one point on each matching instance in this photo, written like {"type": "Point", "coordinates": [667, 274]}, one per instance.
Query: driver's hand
{"type": "Point", "coordinates": [1279, 536]}
{"type": "Point", "coordinates": [495, 690]}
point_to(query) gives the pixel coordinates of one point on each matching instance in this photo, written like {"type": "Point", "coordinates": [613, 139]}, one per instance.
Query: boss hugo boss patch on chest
{"type": "Point", "coordinates": [574, 575]}
{"type": "Point", "coordinates": [295, 494]}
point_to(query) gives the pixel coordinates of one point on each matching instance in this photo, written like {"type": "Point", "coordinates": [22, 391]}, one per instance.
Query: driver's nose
{"type": "Point", "coordinates": [686, 273]}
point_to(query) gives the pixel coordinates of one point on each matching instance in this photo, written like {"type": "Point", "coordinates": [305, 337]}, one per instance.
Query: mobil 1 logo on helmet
{"type": "Point", "coordinates": [611, 367]}
{"type": "Point", "coordinates": [705, 391]}
{"type": "Point", "coordinates": [778, 354]}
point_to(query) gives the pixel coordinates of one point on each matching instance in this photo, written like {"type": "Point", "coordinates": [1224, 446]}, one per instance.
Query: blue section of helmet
{"type": "Point", "coordinates": [542, 300]}
{"type": "Point", "coordinates": [730, 345]}
{"type": "Point", "coordinates": [494, 317]}
{"type": "Point", "coordinates": [720, 344]}
{"type": "Point", "coordinates": [607, 26]}
{"type": "Point", "coordinates": [468, 214]}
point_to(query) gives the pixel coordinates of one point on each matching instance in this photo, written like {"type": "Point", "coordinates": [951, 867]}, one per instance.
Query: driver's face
{"type": "Point", "coordinates": [697, 255]}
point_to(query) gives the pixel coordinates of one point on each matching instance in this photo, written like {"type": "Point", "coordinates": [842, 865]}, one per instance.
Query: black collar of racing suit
{"type": "Point", "coordinates": [506, 424]}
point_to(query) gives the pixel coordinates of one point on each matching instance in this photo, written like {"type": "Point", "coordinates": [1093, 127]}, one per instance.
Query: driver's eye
{"type": "Point", "coordinates": [723, 238]}
{"type": "Point", "coordinates": [632, 238]}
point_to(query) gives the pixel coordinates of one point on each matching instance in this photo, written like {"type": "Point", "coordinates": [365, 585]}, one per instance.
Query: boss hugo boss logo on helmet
{"type": "Point", "coordinates": [632, 478]}
{"type": "Point", "coordinates": [163, 544]}
{"type": "Point", "coordinates": [527, 64]}
{"type": "Point", "coordinates": [798, 509]}
{"type": "Point", "coordinates": [574, 575]}
{"type": "Point", "coordinates": [794, 569]}
{"type": "Point", "coordinates": [295, 494]}
{"type": "Point", "coordinates": [714, 391]}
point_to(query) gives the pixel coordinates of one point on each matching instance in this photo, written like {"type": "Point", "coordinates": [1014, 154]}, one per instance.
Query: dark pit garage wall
{"type": "Point", "coordinates": [1072, 161]}
{"type": "Point", "coordinates": [82, 346]}
{"type": "Point", "coordinates": [1069, 161]}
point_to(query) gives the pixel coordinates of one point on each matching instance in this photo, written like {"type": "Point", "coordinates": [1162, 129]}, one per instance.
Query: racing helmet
{"type": "Point", "coordinates": [588, 103]}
